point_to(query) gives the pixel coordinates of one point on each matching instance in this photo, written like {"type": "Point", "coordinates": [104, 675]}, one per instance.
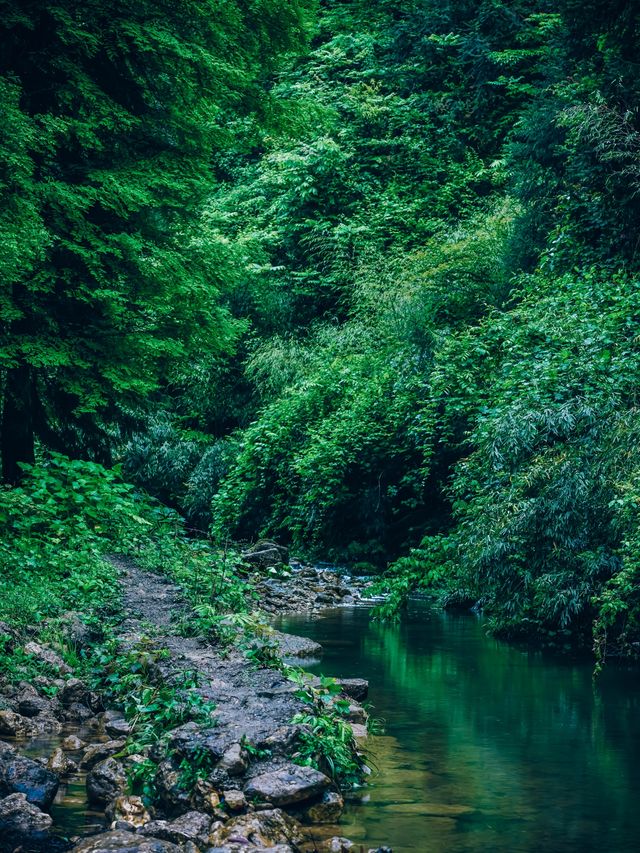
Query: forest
{"type": "Point", "coordinates": [319, 316]}
{"type": "Point", "coordinates": [358, 278]}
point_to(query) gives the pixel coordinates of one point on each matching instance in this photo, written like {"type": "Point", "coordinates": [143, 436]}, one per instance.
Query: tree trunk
{"type": "Point", "coordinates": [17, 423]}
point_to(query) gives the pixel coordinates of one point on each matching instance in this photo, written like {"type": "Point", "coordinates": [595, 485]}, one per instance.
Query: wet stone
{"type": "Point", "coordinates": [117, 728]}
{"type": "Point", "coordinates": [72, 743]}
{"type": "Point", "coordinates": [192, 826]}
{"type": "Point", "coordinates": [235, 800]}
{"type": "Point", "coordinates": [31, 706]}
{"type": "Point", "coordinates": [13, 725]}
{"type": "Point", "coordinates": [327, 810]}
{"type": "Point", "coordinates": [354, 688]}
{"type": "Point", "coordinates": [128, 809]}
{"type": "Point", "coordinates": [262, 829]}
{"type": "Point", "coordinates": [21, 823]}
{"type": "Point", "coordinates": [286, 785]}
{"type": "Point", "coordinates": [119, 841]}
{"type": "Point", "coordinates": [106, 781]}
{"type": "Point", "coordinates": [233, 761]}
{"type": "Point", "coordinates": [60, 763]}
{"type": "Point", "coordinates": [99, 751]}
{"type": "Point", "coordinates": [22, 775]}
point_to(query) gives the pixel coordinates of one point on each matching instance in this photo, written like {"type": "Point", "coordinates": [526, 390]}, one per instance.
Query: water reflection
{"type": "Point", "coordinates": [486, 746]}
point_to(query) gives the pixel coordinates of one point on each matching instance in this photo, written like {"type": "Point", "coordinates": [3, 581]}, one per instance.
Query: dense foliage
{"type": "Point", "coordinates": [376, 297]}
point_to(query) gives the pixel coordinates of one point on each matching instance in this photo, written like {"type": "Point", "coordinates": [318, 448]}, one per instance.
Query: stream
{"type": "Point", "coordinates": [486, 746]}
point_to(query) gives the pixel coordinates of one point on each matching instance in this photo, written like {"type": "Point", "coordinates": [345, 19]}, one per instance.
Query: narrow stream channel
{"type": "Point", "coordinates": [487, 747]}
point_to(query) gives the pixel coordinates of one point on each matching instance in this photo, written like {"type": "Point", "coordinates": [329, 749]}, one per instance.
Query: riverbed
{"type": "Point", "coordinates": [487, 747]}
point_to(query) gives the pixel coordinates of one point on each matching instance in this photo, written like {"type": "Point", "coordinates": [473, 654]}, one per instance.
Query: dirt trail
{"type": "Point", "coordinates": [250, 702]}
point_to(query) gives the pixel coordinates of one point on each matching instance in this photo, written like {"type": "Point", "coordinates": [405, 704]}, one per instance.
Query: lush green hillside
{"type": "Point", "coordinates": [361, 277]}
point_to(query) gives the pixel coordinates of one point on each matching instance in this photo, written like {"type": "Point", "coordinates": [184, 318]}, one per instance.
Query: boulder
{"type": "Point", "coordinates": [106, 781]}
{"type": "Point", "coordinates": [48, 656]}
{"type": "Point", "coordinates": [265, 554]}
{"type": "Point", "coordinates": [172, 796]}
{"type": "Point", "coordinates": [354, 688]}
{"type": "Point", "coordinates": [31, 706]}
{"type": "Point", "coordinates": [326, 810]}
{"type": "Point", "coordinates": [192, 826]}
{"type": "Point", "coordinates": [191, 739]}
{"type": "Point", "coordinates": [99, 751]}
{"type": "Point", "coordinates": [233, 760]}
{"type": "Point", "coordinates": [338, 844]}
{"type": "Point", "coordinates": [286, 785]}
{"type": "Point", "coordinates": [14, 725]}
{"type": "Point", "coordinates": [119, 841]}
{"type": "Point", "coordinates": [262, 829]}
{"type": "Point", "coordinates": [360, 731]}
{"type": "Point", "coordinates": [72, 744]}
{"type": "Point", "coordinates": [75, 692]}
{"type": "Point", "coordinates": [129, 809]}
{"type": "Point", "coordinates": [60, 763]}
{"type": "Point", "coordinates": [357, 714]}
{"type": "Point", "coordinates": [282, 741]}
{"type": "Point", "coordinates": [205, 797]}
{"type": "Point", "coordinates": [22, 775]}
{"type": "Point", "coordinates": [22, 824]}
{"type": "Point", "coordinates": [117, 728]}
{"type": "Point", "coordinates": [296, 647]}
{"type": "Point", "coordinates": [235, 801]}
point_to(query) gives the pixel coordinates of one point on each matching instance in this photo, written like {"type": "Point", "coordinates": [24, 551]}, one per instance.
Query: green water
{"type": "Point", "coordinates": [486, 747]}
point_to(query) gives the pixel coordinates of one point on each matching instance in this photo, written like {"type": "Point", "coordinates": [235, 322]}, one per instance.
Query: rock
{"type": "Point", "coordinates": [265, 554]}
{"type": "Point", "coordinates": [357, 714]}
{"type": "Point", "coordinates": [360, 731]}
{"type": "Point", "coordinates": [128, 809]}
{"type": "Point", "coordinates": [338, 844]}
{"type": "Point", "coordinates": [22, 824]}
{"type": "Point", "coordinates": [171, 795]}
{"type": "Point", "coordinates": [282, 741]}
{"type": "Point", "coordinates": [117, 728]}
{"type": "Point", "coordinates": [78, 713]}
{"type": "Point", "coordinates": [13, 725]}
{"type": "Point", "coordinates": [354, 688]}
{"type": "Point", "coordinates": [99, 751]}
{"type": "Point", "coordinates": [327, 810]}
{"type": "Point", "coordinates": [289, 784]}
{"type": "Point", "coordinates": [235, 800]}
{"type": "Point", "coordinates": [75, 692]}
{"type": "Point", "coordinates": [31, 706]}
{"type": "Point", "coordinates": [47, 656]}
{"type": "Point", "coordinates": [296, 647]}
{"type": "Point", "coordinates": [205, 797]}
{"type": "Point", "coordinates": [191, 739]}
{"type": "Point", "coordinates": [22, 775]}
{"type": "Point", "coordinates": [262, 829]}
{"type": "Point", "coordinates": [76, 630]}
{"type": "Point", "coordinates": [119, 841]}
{"type": "Point", "coordinates": [233, 761]}
{"type": "Point", "coordinates": [72, 744]}
{"type": "Point", "coordinates": [192, 826]}
{"type": "Point", "coordinates": [60, 763]}
{"type": "Point", "coordinates": [106, 781]}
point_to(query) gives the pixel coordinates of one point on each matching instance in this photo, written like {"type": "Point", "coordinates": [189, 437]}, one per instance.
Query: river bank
{"type": "Point", "coordinates": [229, 777]}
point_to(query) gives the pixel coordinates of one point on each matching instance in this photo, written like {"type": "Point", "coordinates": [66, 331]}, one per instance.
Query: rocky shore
{"type": "Point", "coordinates": [246, 791]}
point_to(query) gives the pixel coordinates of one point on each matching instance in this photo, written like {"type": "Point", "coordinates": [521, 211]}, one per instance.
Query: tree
{"type": "Point", "coordinates": [112, 112]}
